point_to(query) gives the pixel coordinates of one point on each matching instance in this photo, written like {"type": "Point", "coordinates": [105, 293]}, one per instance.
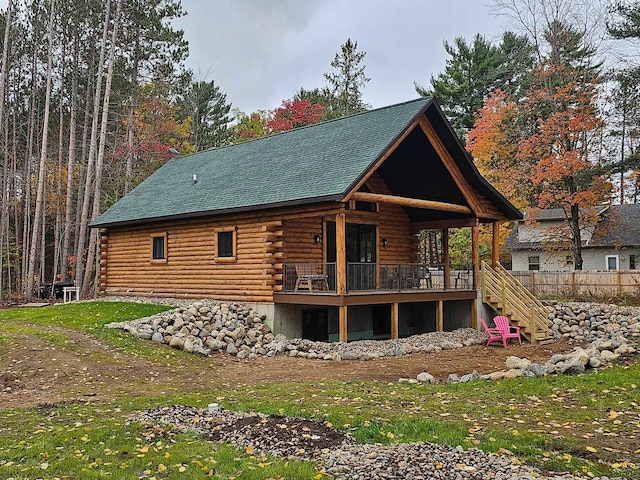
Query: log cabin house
{"type": "Point", "coordinates": [316, 227]}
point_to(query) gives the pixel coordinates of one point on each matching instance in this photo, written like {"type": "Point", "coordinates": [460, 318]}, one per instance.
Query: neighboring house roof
{"type": "Point", "coordinates": [321, 162]}
{"type": "Point", "coordinates": [620, 226]}
{"type": "Point", "coordinates": [616, 226]}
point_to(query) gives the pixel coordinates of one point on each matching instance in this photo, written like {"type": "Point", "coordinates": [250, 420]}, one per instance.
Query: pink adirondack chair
{"type": "Point", "coordinates": [493, 334]}
{"type": "Point", "coordinates": [506, 329]}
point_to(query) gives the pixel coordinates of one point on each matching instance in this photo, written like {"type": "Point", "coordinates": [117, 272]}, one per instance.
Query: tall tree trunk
{"type": "Point", "coordinates": [57, 227]}
{"type": "Point", "coordinates": [84, 216]}
{"type": "Point", "coordinates": [26, 184]}
{"type": "Point", "coordinates": [14, 198]}
{"type": "Point", "coordinates": [37, 222]}
{"type": "Point", "coordinates": [82, 167]}
{"type": "Point", "coordinates": [131, 128]}
{"type": "Point", "coordinates": [4, 214]}
{"type": "Point", "coordinates": [100, 160]}
{"type": "Point", "coordinates": [68, 204]}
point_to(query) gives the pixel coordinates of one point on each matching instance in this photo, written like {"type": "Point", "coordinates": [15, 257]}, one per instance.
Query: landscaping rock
{"type": "Point", "coordinates": [517, 363]}
{"type": "Point", "coordinates": [425, 377]}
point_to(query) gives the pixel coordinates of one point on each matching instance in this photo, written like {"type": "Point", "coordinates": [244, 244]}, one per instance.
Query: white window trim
{"type": "Point", "coordinates": [606, 262]}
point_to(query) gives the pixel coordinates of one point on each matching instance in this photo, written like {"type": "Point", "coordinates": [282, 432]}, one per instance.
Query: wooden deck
{"type": "Point", "coordinates": [372, 297]}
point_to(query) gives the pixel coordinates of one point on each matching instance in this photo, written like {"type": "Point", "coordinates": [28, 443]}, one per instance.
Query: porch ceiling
{"type": "Point", "coordinates": [414, 170]}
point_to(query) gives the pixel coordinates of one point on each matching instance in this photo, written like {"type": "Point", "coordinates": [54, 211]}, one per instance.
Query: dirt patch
{"type": "Point", "coordinates": [35, 371]}
{"type": "Point", "coordinates": [290, 436]}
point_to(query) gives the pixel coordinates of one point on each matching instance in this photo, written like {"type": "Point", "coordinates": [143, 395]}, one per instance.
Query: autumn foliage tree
{"type": "Point", "coordinates": [493, 142]}
{"type": "Point", "coordinates": [295, 113]}
{"type": "Point", "coordinates": [541, 149]}
{"type": "Point", "coordinates": [291, 114]}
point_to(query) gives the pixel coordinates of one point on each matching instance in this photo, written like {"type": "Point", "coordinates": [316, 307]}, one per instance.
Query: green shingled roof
{"type": "Point", "coordinates": [319, 162]}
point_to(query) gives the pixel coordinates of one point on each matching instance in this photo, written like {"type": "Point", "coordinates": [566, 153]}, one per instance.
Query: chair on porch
{"type": "Point", "coordinates": [493, 334]}
{"type": "Point", "coordinates": [388, 278]}
{"type": "Point", "coordinates": [309, 274]}
{"type": "Point", "coordinates": [508, 331]}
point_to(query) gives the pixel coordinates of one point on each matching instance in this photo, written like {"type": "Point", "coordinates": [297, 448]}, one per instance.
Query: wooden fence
{"type": "Point", "coordinates": [581, 283]}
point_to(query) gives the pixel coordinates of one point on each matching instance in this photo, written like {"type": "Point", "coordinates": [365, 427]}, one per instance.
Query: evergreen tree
{"type": "Point", "coordinates": [475, 70]}
{"type": "Point", "coordinates": [347, 80]}
{"type": "Point", "coordinates": [207, 106]}
{"type": "Point", "coordinates": [627, 23]}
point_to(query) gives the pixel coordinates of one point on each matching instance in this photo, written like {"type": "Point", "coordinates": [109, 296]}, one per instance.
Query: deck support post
{"type": "Point", "coordinates": [342, 320]}
{"type": "Point", "coordinates": [394, 320]}
{"type": "Point", "coordinates": [474, 314]}
{"type": "Point", "coordinates": [440, 316]}
{"type": "Point", "coordinates": [495, 244]}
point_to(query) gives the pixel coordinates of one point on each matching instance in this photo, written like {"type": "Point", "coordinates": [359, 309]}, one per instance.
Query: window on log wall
{"type": "Point", "coordinates": [226, 244]}
{"type": "Point", "coordinates": [159, 247]}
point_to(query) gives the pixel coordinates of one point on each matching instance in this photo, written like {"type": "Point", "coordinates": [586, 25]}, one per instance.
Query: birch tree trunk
{"type": "Point", "coordinates": [37, 222]}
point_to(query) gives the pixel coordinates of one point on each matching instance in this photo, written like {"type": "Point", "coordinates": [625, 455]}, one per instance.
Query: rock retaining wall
{"type": "Point", "coordinates": [610, 331]}
{"type": "Point", "coordinates": [208, 327]}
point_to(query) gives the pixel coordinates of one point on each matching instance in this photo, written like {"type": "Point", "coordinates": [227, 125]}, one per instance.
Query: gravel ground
{"type": "Point", "coordinates": [337, 453]}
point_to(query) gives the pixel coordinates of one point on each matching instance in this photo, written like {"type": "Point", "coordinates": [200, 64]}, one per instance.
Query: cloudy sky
{"type": "Point", "coordinates": [261, 52]}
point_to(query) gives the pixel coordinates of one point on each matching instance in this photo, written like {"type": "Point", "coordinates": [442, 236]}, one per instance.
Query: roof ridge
{"type": "Point", "coordinates": [324, 122]}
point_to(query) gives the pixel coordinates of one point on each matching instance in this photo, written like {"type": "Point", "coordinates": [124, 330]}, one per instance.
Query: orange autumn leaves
{"type": "Point", "coordinates": [539, 152]}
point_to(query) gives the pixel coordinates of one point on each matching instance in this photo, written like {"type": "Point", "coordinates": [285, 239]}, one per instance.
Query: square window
{"type": "Point", "coordinates": [159, 247]}
{"type": "Point", "coordinates": [534, 262]}
{"type": "Point", "coordinates": [612, 262]}
{"type": "Point", "coordinates": [226, 245]}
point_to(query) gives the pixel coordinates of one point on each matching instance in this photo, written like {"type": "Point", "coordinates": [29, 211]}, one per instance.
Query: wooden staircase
{"type": "Point", "coordinates": [507, 296]}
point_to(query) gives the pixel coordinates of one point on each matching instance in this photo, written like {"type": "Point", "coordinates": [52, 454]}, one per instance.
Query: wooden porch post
{"type": "Point", "coordinates": [341, 272]}
{"type": "Point", "coordinates": [445, 251]}
{"type": "Point", "coordinates": [439, 316]}
{"type": "Point", "coordinates": [394, 320]}
{"type": "Point", "coordinates": [475, 253]}
{"type": "Point", "coordinates": [495, 244]}
{"type": "Point", "coordinates": [341, 254]}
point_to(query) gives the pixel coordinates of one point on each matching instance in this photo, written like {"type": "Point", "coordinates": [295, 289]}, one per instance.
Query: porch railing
{"type": "Point", "coordinates": [322, 277]}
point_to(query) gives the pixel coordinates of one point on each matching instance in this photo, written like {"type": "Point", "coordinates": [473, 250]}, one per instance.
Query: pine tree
{"type": "Point", "coordinates": [347, 80]}
{"type": "Point", "coordinates": [475, 70]}
{"type": "Point", "coordinates": [207, 106]}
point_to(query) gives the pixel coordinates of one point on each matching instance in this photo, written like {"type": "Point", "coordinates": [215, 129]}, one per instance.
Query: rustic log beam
{"type": "Point", "coordinates": [450, 164]}
{"type": "Point", "coordinates": [410, 202]}
{"type": "Point", "coordinates": [445, 251]}
{"type": "Point", "coordinates": [475, 252]}
{"type": "Point", "coordinates": [341, 254]}
{"type": "Point", "coordinates": [495, 244]}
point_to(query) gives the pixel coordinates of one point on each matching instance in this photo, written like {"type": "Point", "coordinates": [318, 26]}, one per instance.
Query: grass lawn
{"type": "Point", "coordinates": [587, 424]}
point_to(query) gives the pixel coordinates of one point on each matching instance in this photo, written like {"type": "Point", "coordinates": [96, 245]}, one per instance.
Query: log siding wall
{"type": "Point", "coordinates": [262, 245]}
{"type": "Point", "coordinates": [191, 268]}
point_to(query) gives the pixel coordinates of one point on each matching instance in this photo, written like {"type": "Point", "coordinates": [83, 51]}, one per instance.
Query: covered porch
{"type": "Point", "coordinates": [369, 251]}
{"type": "Point", "coordinates": [374, 299]}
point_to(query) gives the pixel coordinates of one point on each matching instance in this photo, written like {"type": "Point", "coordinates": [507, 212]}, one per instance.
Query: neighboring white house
{"type": "Point", "coordinates": [610, 240]}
